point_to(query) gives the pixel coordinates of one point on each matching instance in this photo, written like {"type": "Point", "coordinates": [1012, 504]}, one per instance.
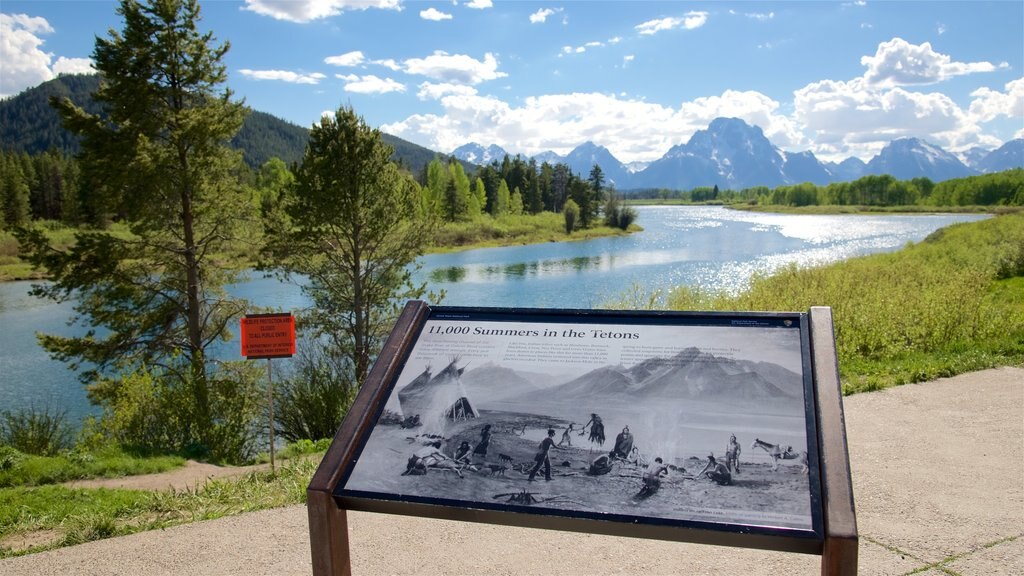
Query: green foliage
{"type": "Point", "coordinates": [934, 308]}
{"type": "Point", "coordinates": [311, 402]}
{"type": "Point", "coordinates": [105, 462]}
{"type": "Point", "coordinates": [571, 213]}
{"type": "Point", "coordinates": [305, 447]}
{"type": "Point", "coordinates": [351, 226]}
{"type": "Point", "coordinates": [81, 515]}
{"type": "Point", "coordinates": [158, 160]}
{"type": "Point", "coordinates": [617, 215]}
{"type": "Point", "coordinates": [42, 432]}
{"type": "Point", "coordinates": [153, 410]}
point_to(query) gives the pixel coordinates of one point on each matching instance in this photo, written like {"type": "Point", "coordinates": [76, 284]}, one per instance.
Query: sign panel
{"type": "Point", "coordinates": [268, 336]}
{"type": "Point", "coordinates": [654, 420]}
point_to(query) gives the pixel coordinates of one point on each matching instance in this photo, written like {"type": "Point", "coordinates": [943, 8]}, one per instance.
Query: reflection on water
{"type": "Point", "coordinates": [706, 246]}
{"type": "Point", "coordinates": [493, 273]}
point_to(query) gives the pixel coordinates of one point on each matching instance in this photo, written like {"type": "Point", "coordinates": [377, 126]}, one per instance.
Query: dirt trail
{"type": "Point", "coordinates": [191, 475]}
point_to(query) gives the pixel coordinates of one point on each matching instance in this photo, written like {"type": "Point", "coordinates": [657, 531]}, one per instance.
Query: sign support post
{"type": "Point", "coordinates": [268, 336]}
{"type": "Point", "coordinates": [270, 404]}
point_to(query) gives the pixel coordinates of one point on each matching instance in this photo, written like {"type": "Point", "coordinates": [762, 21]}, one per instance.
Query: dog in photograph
{"type": "Point", "coordinates": [496, 469]}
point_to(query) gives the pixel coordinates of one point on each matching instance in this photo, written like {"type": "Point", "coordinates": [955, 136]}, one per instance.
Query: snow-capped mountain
{"type": "Point", "coordinates": [583, 158]}
{"type": "Point", "coordinates": [690, 375]}
{"type": "Point", "coordinates": [732, 154]}
{"type": "Point", "coordinates": [477, 154]}
{"type": "Point", "coordinates": [1006, 157]}
{"type": "Point", "coordinates": [973, 156]}
{"type": "Point", "coordinates": [908, 158]}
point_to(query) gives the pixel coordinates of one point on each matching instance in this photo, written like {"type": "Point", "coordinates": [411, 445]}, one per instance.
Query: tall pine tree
{"type": "Point", "coordinates": [154, 299]}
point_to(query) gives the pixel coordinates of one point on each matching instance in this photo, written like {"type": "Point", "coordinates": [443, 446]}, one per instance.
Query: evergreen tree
{"type": "Point", "coordinates": [516, 203]}
{"type": "Point", "coordinates": [352, 229]}
{"type": "Point", "coordinates": [503, 201]}
{"type": "Point", "coordinates": [160, 153]}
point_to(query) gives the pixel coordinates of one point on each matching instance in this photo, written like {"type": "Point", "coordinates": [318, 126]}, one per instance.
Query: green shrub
{"type": "Point", "coordinates": [312, 401]}
{"type": "Point", "coordinates": [153, 412]}
{"type": "Point", "coordinates": [34, 431]}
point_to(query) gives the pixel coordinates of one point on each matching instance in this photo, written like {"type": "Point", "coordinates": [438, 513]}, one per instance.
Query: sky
{"type": "Point", "coordinates": [838, 78]}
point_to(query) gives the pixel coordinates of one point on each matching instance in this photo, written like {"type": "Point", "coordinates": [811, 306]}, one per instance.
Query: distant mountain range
{"type": "Point", "coordinates": [733, 154]}
{"type": "Point", "coordinates": [730, 153]}
{"type": "Point", "coordinates": [691, 375]}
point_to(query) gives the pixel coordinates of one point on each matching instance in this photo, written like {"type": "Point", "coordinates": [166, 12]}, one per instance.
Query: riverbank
{"type": "Point", "coordinates": [923, 507]}
{"type": "Point", "coordinates": [485, 232]}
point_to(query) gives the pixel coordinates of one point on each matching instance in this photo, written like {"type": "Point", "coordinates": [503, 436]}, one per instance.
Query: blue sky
{"type": "Point", "coordinates": [838, 78]}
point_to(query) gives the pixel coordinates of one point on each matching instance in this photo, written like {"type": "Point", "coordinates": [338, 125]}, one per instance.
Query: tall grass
{"type": "Point", "coordinates": [952, 303]}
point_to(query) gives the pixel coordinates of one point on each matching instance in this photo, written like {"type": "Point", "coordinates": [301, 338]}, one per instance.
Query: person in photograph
{"type": "Point", "coordinates": [652, 477]}
{"type": "Point", "coordinates": [732, 455]}
{"type": "Point", "coordinates": [716, 471]}
{"type": "Point", "coordinates": [567, 436]}
{"type": "Point", "coordinates": [430, 456]}
{"type": "Point", "coordinates": [462, 453]}
{"type": "Point", "coordinates": [480, 452]}
{"type": "Point", "coordinates": [623, 444]}
{"type": "Point", "coordinates": [601, 465]}
{"type": "Point", "coordinates": [596, 429]}
{"type": "Point", "coordinates": [541, 458]}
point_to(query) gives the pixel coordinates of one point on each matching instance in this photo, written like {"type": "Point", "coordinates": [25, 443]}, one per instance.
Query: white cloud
{"type": "Point", "coordinates": [479, 4]}
{"type": "Point", "coordinates": [73, 66]}
{"type": "Point", "coordinates": [689, 21]}
{"type": "Point", "coordinates": [25, 64]}
{"type": "Point", "coordinates": [371, 84]}
{"type": "Point", "coordinates": [455, 68]}
{"type": "Point", "coordinates": [750, 106]}
{"type": "Point", "coordinates": [309, 10]}
{"type": "Point", "coordinates": [852, 118]}
{"type": "Point", "coordinates": [541, 16]}
{"type": "Point", "coordinates": [941, 29]}
{"type": "Point", "coordinates": [760, 16]}
{"type": "Point", "coordinates": [354, 58]}
{"type": "Point", "coordinates": [388, 63]}
{"type": "Point", "coordinates": [432, 91]}
{"type": "Point", "coordinates": [634, 130]}
{"type": "Point", "coordinates": [900, 63]}
{"type": "Point", "coordinates": [434, 14]}
{"type": "Point", "coordinates": [615, 40]}
{"type": "Point", "coordinates": [988, 104]}
{"type": "Point", "coordinates": [283, 76]}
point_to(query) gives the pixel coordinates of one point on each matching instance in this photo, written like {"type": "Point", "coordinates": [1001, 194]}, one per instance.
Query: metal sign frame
{"type": "Point", "coordinates": [829, 528]}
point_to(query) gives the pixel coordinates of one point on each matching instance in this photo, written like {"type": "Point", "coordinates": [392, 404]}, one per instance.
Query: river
{"type": "Point", "coordinates": [707, 246]}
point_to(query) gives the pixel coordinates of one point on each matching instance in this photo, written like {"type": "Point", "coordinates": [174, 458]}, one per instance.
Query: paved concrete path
{"type": "Point", "coordinates": [938, 473]}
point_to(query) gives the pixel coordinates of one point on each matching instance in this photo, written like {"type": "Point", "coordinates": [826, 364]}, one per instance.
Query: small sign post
{"type": "Point", "coordinates": [268, 336]}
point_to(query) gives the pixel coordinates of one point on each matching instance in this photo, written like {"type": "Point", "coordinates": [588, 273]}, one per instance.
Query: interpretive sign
{"type": "Point", "coordinates": [686, 426]}
{"type": "Point", "coordinates": [268, 336]}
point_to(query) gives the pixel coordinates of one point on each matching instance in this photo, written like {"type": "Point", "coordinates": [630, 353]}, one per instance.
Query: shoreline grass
{"type": "Point", "coordinates": [950, 304]}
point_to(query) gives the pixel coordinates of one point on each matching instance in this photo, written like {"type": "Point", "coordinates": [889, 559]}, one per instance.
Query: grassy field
{"type": "Point", "coordinates": [39, 518]}
{"type": "Point", "coordinates": [950, 304]}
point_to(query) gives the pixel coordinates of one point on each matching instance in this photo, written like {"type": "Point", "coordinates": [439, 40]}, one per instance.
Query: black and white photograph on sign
{"type": "Point", "coordinates": [679, 423]}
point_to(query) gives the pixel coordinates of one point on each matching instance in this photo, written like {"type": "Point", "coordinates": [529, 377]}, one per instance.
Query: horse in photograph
{"type": "Point", "coordinates": [776, 453]}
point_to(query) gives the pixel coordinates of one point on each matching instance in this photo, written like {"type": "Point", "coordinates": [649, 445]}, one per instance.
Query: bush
{"type": "Point", "coordinates": [152, 411]}
{"type": "Point", "coordinates": [571, 212]}
{"type": "Point", "coordinates": [33, 431]}
{"type": "Point", "coordinates": [311, 402]}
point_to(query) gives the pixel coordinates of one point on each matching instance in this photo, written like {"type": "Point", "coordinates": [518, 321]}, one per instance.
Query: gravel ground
{"type": "Point", "coordinates": [938, 473]}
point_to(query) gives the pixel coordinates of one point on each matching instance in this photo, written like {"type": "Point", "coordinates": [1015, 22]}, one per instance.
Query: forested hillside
{"type": "Point", "coordinates": [29, 124]}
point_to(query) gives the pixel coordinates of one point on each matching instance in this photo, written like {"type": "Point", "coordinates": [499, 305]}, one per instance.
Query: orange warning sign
{"type": "Point", "coordinates": [268, 336]}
